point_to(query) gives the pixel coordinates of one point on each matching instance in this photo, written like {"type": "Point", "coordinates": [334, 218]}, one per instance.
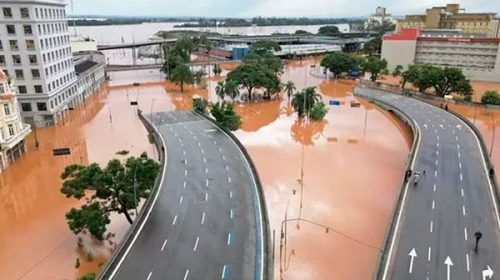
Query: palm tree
{"type": "Point", "coordinates": [303, 101]}
{"type": "Point", "coordinates": [231, 89]}
{"type": "Point", "coordinates": [289, 88]}
{"type": "Point", "coordinates": [220, 89]}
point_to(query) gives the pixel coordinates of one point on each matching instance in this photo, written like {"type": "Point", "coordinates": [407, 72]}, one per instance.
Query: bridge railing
{"type": "Point", "coordinates": [119, 253]}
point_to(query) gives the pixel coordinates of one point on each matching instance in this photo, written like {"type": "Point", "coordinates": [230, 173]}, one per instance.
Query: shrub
{"type": "Point", "coordinates": [200, 105]}
{"type": "Point", "coordinates": [318, 111]}
{"type": "Point", "coordinates": [224, 114]}
{"type": "Point", "coordinates": [88, 276]}
{"type": "Point", "coordinates": [491, 97]}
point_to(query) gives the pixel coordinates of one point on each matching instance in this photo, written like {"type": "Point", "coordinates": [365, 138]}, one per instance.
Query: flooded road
{"type": "Point", "coordinates": [352, 167]}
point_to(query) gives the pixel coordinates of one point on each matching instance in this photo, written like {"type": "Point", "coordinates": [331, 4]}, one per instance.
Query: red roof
{"type": "Point", "coordinates": [408, 34]}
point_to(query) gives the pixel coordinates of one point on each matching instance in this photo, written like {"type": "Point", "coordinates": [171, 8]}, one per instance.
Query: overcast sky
{"type": "Point", "coordinates": [281, 8]}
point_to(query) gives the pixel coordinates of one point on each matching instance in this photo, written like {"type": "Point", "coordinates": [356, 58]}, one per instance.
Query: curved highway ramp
{"type": "Point", "coordinates": [434, 231]}
{"type": "Point", "coordinates": [205, 222]}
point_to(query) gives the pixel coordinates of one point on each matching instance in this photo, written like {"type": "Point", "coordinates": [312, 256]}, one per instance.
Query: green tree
{"type": "Point", "coordinates": [339, 62]}
{"type": "Point", "coordinates": [217, 70]}
{"type": "Point", "coordinates": [231, 89]}
{"type": "Point", "coordinates": [88, 276]}
{"type": "Point", "coordinates": [318, 111]}
{"type": "Point", "coordinates": [171, 62]}
{"type": "Point", "coordinates": [374, 66]}
{"type": "Point", "coordinates": [418, 74]}
{"type": "Point", "coordinates": [220, 90]}
{"type": "Point", "coordinates": [262, 47]}
{"type": "Point", "coordinates": [262, 54]}
{"type": "Point", "coordinates": [200, 105]}
{"type": "Point", "coordinates": [304, 101]}
{"type": "Point", "coordinates": [289, 88]}
{"type": "Point", "coordinates": [398, 70]}
{"type": "Point", "coordinates": [182, 75]}
{"type": "Point", "coordinates": [198, 76]}
{"type": "Point", "coordinates": [251, 76]}
{"type": "Point", "coordinates": [373, 47]}
{"type": "Point", "coordinates": [329, 30]}
{"type": "Point", "coordinates": [112, 190]}
{"type": "Point", "coordinates": [491, 97]}
{"type": "Point", "coordinates": [450, 80]}
{"type": "Point", "coordinates": [225, 115]}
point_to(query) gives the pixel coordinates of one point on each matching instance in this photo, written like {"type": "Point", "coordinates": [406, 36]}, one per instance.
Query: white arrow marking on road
{"type": "Point", "coordinates": [449, 264]}
{"type": "Point", "coordinates": [459, 126]}
{"type": "Point", "coordinates": [425, 126]}
{"type": "Point", "coordinates": [487, 273]}
{"type": "Point", "coordinates": [442, 126]}
{"type": "Point", "coordinates": [413, 255]}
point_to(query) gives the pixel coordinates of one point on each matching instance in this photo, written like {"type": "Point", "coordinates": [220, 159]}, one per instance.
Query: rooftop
{"type": "Point", "coordinates": [84, 66]}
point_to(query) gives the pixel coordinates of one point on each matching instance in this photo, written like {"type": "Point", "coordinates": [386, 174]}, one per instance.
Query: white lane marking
{"type": "Point", "coordinates": [462, 191]}
{"type": "Point", "coordinates": [186, 274]}
{"type": "Point", "coordinates": [458, 147]}
{"type": "Point", "coordinates": [229, 179]}
{"type": "Point", "coordinates": [436, 162]}
{"type": "Point", "coordinates": [175, 133]}
{"type": "Point", "coordinates": [206, 196]}
{"type": "Point", "coordinates": [184, 186]}
{"type": "Point", "coordinates": [435, 173]}
{"type": "Point", "coordinates": [429, 254]}
{"type": "Point", "coordinates": [229, 239]}
{"type": "Point", "coordinates": [466, 237]}
{"type": "Point", "coordinates": [431, 226]}
{"type": "Point", "coordinates": [437, 137]}
{"type": "Point", "coordinates": [202, 152]}
{"type": "Point", "coordinates": [433, 204]}
{"type": "Point", "coordinates": [175, 220]}
{"type": "Point", "coordinates": [437, 144]}
{"type": "Point", "coordinates": [224, 269]}
{"type": "Point", "coordinates": [467, 260]}
{"type": "Point", "coordinates": [434, 186]}
{"type": "Point", "coordinates": [204, 159]}
{"type": "Point", "coordinates": [454, 132]}
{"type": "Point", "coordinates": [458, 154]}
{"type": "Point", "coordinates": [185, 162]}
{"type": "Point", "coordinates": [461, 177]}
{"type": "Point", "coordinates": [460, 165]}
{"type": "Point", "coordinates": [206, 170]}
{"type": "Point", "coordinates": [227, 168]}
{"type": "Point", "coordinates": [199, 144]}
{"type": "Point", "coordinates": [182, 145]}
{"type": "Point", "coordinates": [223, 158]}
{"type": "Point", "coordinates": [437, 152]}
{"type": "Point", "coordinates": [163, 246]}
{"type": "Point", "coordinates": [149, 275]}
{"type": "Point", "coordinates": [185, 172]}
{"type": "Point", "coordinates": [435, 130]}
{"type": "Point", "coordinates": [220, 150]}
{"type": "Point", "coordinates": [230, 194]}
{"type": "Point", "coordinates": [180, 199]}
{"type": "Point", "coordinates": [195, 138]}
{"type": "Point", "coordinates": [206, 182]}
{"type": "Point", "coordinates": [456, 138]}
{"type": "Point", "coordinates": [184, 152]}
{"type": "Point", "coordinates": [203, 218]}
{"type": "Point", "coordinates": [463, 210]}
{"type": "Point", "coordinates": [231, 213]}
{"type": "Point", "coordinates": [196, 243]}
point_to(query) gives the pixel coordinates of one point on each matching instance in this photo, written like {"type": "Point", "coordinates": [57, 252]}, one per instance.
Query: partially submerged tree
{"type": "Point", "coordinates": [304, 101]}
{"type": "Point", "coordinates": [375, 66]}
{"type": "Point", "coordinates": [200, 105]}
{"type": "Point", "coordinates": [225, 115]}
{"type": "Point", "coordinates": [289, 88]}
{"type": "Point", "coordinates": [252, 76]}
{"type": "Point", "coordinates": [182, 75]}
{"type": "Point", "coordinates": [398, 70]}
{"type": "Point", "coordinates": [116, 188]}
{"type": "Point", "coordinates": [491, 97]}
{"type": "Point", "coordinates": [339, 62]}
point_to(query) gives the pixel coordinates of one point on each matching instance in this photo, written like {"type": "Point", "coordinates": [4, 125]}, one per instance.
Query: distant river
{"type": "Point", "coordinates": [111, 34]}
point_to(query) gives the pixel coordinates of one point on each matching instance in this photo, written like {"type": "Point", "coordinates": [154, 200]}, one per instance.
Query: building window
{"type": "Point", "coordinates": [27, 30]}
{"type": "Point", "coordinates": [26, 107]}
{"type": "Point", "coordinates": [11, 29]}
{"type": "Point", "coordinates": [7, 12]}
{"type": "Point", "coordinates": [11, 130]}
{"type": "Point", "coordinates": [32, 59]}
{"type": "Point", "coordinates": [51, 104]}
{"type": "Point", "coordinates": [19, 74]}
{"type": "Point", "coordinates": [35, 73]}
{"type": "Point", "coordinates": [2, 59]}
{"type": "Point", "coordinates": [6, 109]}
{"type": "Point", "coordinates": [16, 59]}
{"type": "Point", "coordinates": [38, 89]}
{"type": "Point", "coordinates": [22, 89]}
{"type": "Point", "coordinates": [36, 12]}
{"type": "Point", "coordinates": [1, 45]}
{"type": "Point", "coordinates": [41, 106]}
{"type": "Point", "coordinates": [25, 12]}
{"type": "Point", "coordinates": [30, 45]}
{"type": "Point", "coordinates": [13, 45]}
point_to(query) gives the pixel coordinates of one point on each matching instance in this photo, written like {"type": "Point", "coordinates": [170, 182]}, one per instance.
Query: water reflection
{"type": "Point", "coordinates": [307, 132]}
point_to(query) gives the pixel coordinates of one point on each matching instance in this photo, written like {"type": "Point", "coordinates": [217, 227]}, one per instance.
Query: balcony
{"type": "Point", "coordinates": [11, 141]}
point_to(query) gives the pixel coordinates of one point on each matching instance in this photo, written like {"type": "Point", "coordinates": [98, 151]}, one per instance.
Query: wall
{"type": "Point", "coordinates": [400, 52]}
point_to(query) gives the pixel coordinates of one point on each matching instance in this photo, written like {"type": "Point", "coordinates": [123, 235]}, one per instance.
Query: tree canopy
{"type": "Point", "coordinates": [328, 30]}
{"type": "Point", "coordinates": [225, 115]}
{"type": "Point", "coordinates": [304, 101]}
{"type": "Point", "coordinates": [375, 66]}
{"type": "Point", "coordinates": [111, 189]}
{"type": "Point", "coordinates": [182, 75]}
{"type": "Point", "coordinates": [339, 62]}
{"type": "Point", "coordinates": [252, 76]}
{"type": "Point", "coordinates": [491, 97]}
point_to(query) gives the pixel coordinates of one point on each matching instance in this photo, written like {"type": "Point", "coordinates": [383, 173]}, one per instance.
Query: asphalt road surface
{"type": "Point", "coordinates": [452, 200]}
{"type": "Point", "coordinates": [205, 221]}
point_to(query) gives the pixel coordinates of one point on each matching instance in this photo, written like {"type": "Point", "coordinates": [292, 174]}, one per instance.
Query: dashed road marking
{"type": "Point", "coordinates": [163, 246]}
{"type": "Point", "coordinates": [467, 260]}
{"type": "Point", "coordinates": [466, 237]}
{"type": "Point", "coordinates": [463, 210]}
{"type": "Point", "coordinates": [462, 191]}
{"type": "Point", "coordinates": [206, 196]}
{"type": "Point", "coordinates": [186, 274]}
{"type": "Point", "coordinates": [461, 177]}
{"type": "Point", "coordinates": [434, 187]}
{"type": "Point", "coordinates": [181, 199]}
{"type": "Point", "coordinates": [149, 275]}
{"type": "Point", "coordinates": [229, 239]}
{"type": "Point", "coordinates": [433, 204]}
{"type": "Point", "coordinates": [231, 213]}
{"type": "Point", "coordinates": [196, 243]}
{"type": "Point", "coordinates": [175, 220]}
{"type": "Point", "coordinates": [431, 226]}
{"type": "Point", "coordinates": [429, 254]}
{"type": "Point", "coordinates": [202, 218]}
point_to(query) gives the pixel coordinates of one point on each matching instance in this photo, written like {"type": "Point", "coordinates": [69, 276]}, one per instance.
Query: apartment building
{"type": "Point", "coordinates": [35, 51]}
{"type": "Point", "coordinates": [12, 130]}
{"type": "Point", "coordinates": [478, 57]}
{"type": "Point", "coordinates": [452, 16]}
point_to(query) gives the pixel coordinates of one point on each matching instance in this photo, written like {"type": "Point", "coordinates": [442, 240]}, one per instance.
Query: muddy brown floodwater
{"type": "Point", "coordinates": [352, 167]}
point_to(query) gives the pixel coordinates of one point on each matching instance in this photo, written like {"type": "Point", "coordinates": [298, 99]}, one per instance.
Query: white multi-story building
{"type": "Point", "coordinates": [12, 130]}
{"type": "Point", "coordinates": [477, 57]}
{"type": "Point", "coordinates": [35, 51]}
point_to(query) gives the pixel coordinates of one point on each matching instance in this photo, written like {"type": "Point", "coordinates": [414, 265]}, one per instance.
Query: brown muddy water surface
{"type": "Point", "coordinates": [352, 167]}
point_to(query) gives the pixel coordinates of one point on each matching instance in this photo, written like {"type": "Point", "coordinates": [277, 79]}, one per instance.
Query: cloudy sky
{"type": "Point", "coordinates": [250, 8]}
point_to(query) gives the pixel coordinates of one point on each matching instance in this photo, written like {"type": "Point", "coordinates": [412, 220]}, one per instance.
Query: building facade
{"type": "Point", "coordinates": [12, 130]}
{"type": "Point", "coordinates": [90, 68]}
{"type": "Point", "coordinates": [478, 58]}
{"type": "Point", "coordinates": [379, 18]}
{"type": "Point", "coordinates": [35, 51]}
{"type": "Point", "coordinates": [452, 16]}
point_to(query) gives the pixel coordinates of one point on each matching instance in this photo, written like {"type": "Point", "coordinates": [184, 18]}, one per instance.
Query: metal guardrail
{"type": "Point", "coordinates": [128, 237]}
{"type": "Point", "coordinates": [268, 248]}
{"type": "Point", "coordinates": [398, 207]}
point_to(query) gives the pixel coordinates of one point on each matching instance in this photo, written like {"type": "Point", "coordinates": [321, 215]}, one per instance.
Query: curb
{"type": "Point", "coordinates": [268, 250]}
